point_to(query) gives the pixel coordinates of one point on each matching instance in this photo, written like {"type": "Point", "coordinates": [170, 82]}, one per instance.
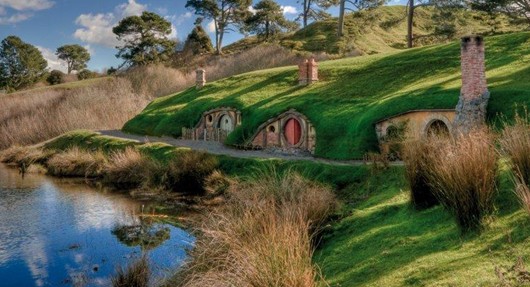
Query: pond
{"type": "Point", "coordinates": [62, 233]}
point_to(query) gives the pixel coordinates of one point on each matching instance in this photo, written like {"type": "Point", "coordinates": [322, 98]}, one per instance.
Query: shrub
{"type": "Point", "coordinates": [136, 274]}
{"type": "Point", "coordinates": [416, 156]}
{"type": "Point", "coordinates": [187, 172]}
{"type": "Point", "coordinates": [262, 237]}
{"type": "Point", "coordinates": [86, 74]}
{"type": "Point", "coordinates": [56, 77]}
{"type": "Point", "coordinates": [132, 169]}
{"type": "Point", "coordinates": [77, 163]}
{"type": "Point", "coordinates": [463, 172]}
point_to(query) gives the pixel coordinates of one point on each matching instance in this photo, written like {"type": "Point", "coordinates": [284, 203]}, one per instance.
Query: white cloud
{"type": "Point", "coordinates": [289, 10]}
{"type": "Point", "coordinates": [97, 29]}
{"type": "Point", "coordinates": [211, 27]}
{"type": "Point", "coordinates": [13, 19]}
{"type": "Point", "coordinates": [173, 34]}
{"type": "Point", "coordinates": [252, 10]}
{"type": "Point", "coordinates": [54, 63]}
{"type": "Point", "coordinates": [22, 5]}
{"type": "Point", "coordinates": [131, 8]}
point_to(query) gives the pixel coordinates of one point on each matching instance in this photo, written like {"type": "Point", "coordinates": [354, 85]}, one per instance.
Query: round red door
{"type": "Point", "coordinates": [293, 131]}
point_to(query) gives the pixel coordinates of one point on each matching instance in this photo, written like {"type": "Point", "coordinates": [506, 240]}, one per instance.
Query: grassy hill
{"type": "Point", "coordinates": [382, 30]}
{"type": "Point", "coordinates": [352, 94]}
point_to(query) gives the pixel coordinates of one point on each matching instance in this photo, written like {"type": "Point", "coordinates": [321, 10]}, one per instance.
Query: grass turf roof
{"type": "Point", "coordinates": [351, 96]}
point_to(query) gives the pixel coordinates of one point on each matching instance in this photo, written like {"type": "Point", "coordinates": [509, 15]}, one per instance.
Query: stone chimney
{"type": "Point", "coordinates": [307, 72]}
{"type": "Point", "coordinates": [200, 79]}
{"type": "Point", "coordinates": [474, 95]}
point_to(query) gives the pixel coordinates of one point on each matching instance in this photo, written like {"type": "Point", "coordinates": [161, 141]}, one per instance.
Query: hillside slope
{"type": "Point", "coordinates": [382, 30]}
{"type": "Point", "coordinates": [351, 96]}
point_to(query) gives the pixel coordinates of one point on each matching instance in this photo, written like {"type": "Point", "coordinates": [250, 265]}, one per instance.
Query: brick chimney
{"type": "Point", "coordinates": [200, 79]}
{"type": "Point", "coordinates": [474, 95]}
{"type": "Point", "coordinates": [307, 72]}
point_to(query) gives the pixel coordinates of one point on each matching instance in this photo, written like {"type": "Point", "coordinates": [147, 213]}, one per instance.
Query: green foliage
{"type": "Point", "coordinates": [21, 64]}
{"type": "Point", "coordinates": [352, 94]}
{"type": "Point", "coordinates": [75, 57]}
{"type": "Point", "coordinates": [224, 14]}
{"type": "Point", "coordinates": [268, 20]}
{"type": "Point", "coordinates": [145, 39]}
{"type": "Point", "coordinates": [86, 74]}
{"type": "Point", "coordinates": [198, 42]}
{"type": "Point", "coordinates": [519, 9]}
{"type": "Point", "coordinates": [56, 77]}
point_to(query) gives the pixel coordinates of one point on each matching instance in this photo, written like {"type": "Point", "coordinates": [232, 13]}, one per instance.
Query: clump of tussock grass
{"type": "Point", "coordinates": [463, 172]}
{"type": "Point", "coordinates": [515, 144]}
{"type": "Point", "coordinates": [136, 274]}
{"type": "Point", "coordinates": [187, 171]}
{"type": "Point", "coordinates": [262, 236]}
{"type": "Point", "coordinates": [76, 162]}
{"type": "Point", "coordinates": [416, 156]}
{"type": "Point", "coordinates": [132, 169]}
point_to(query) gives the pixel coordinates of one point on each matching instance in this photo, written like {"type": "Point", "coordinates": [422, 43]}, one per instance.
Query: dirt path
{"type": "Point", "coordinates": [220, 149]}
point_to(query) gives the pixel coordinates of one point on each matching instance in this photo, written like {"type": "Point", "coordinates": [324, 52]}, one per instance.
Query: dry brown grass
{"type": "Point", "coordinates": [463, 171]}
{"type": "Point", "coordinates": [416, 155]}
{"type": "Point", "coordinates": [33, 116]}
{"type": "Point", "coordinates": [131, 169]}
{"type": "Point", "coordinates": [77, 163]}
{"type": "Point", "coordinates": [187, 172]}
{"type": "Point", "coordinates": [262, 236]}
{"type": "Point", "coordinates": [136, 274]}
{"type": "Point", "coordinates": [159, 80]}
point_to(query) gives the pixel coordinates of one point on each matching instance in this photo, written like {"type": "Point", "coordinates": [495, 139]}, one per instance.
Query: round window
{"type": "Point", "coordinates": [272, 129]}
{"type": "Point", "coordinates": [210, 118]}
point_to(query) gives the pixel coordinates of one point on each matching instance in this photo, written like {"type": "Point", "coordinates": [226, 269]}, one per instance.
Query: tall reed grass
{"type": "Point", "coordinates": [463, 171]}
{"type": "Point", "coordinates": [262, 236]}
{"type": "Point", "coordinates": [136, 274]}
{"type": "Point", "coordinates": [515, 144]}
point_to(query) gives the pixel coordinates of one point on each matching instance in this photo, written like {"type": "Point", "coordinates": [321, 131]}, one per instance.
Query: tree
{"type": "Point", "coordinates": [315, 10]}
{"type": "Point", "coordinates": [75, 57]}
{"type": "Point", "coordinates": [56, 77]}
{"type": "Point", "coordinates": [21, 64]}
{"type": "Point", "coordinates": [411, 8]}
{"type": "Point", "coordinates": [86, 74]}
{"type": "Point", "coordinates": [145, 39]}
{"type": "Point", "coordinates": [514, 8]}
{"type": "Point", "coordinates": [358, 5]}
{"type": "Point", "coordinates": [223, 13]}
{"type": "Point", "coordinates": [268, 20]}
{"type": "Point", "coordinates": [198, 41]}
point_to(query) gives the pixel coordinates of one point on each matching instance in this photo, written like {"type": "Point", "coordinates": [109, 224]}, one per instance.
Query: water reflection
{"type": "Point", "coordinates": [59, 233]}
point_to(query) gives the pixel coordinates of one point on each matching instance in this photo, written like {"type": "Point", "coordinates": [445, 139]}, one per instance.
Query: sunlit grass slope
{"type": "Point", "coordinates": [382, 241]}
{"type": "Point", "coordinates": [352, 94]}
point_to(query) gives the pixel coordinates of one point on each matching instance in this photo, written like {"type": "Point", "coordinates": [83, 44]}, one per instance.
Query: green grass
{"type": "Point", "coordinates": [381, 30]}
{"type": "Point", "coordinates": [336, 176]}
{"type": "Point", "coordinates": [351, 96]}
{"type": "Point", "coordinates": [382, 241]}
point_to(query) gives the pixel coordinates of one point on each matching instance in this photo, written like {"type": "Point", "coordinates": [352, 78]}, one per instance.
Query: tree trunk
{"type": "Point", "coordinates": [267, 28]}
{"type": "Point", "coordinates": [341, 18]}
{"type": "Point", "coordinates": [410, 24]}
{"type": "Point", "coordinates": [307, 5]}
{"type": "Point", "coordinates": [220, 45]}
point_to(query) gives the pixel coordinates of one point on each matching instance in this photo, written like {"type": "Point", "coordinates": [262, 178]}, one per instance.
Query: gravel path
{"type": "Point", "coordinates": [220, 149]}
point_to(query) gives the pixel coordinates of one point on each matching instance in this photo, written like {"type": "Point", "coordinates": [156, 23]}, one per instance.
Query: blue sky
{"type": "Point", "coordinates": [49, 24]}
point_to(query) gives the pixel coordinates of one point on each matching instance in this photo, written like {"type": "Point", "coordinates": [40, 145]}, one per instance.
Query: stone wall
{"type": "Point", "coordinates": [271, 134]}
{"type": "Point", "coordinates": [474, 95]}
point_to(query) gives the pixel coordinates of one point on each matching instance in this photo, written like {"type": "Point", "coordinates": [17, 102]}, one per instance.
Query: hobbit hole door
{"type": "Point", "coordinates": [438, 128]}
{"type": "Point", "coordinates": [226, 123]}
{"type": "Point", "coordinates": [293, 131]}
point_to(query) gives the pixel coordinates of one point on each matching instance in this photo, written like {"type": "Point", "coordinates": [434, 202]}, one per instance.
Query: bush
{"type": "Point", "coordinates": [136, 274]}
{"type": "Point", "coordinates": [86, 74]}
{"type": "Point", "coordinates": [188, 171]}
{"type": "Point", "coordinates": [416, 156]}
{"type": "Point", "coordinates": [56, 77]}
{"type": "Point", "coordinates": [77, 163]}
{"type": "Point", "coordinates": [131, 169]}
{"type": "Point", "coordinates": [262, 236]}
{"type": "Point", "coordinates": [515, 143]}
{"type": "Point", "coordinates": [463, 172]}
